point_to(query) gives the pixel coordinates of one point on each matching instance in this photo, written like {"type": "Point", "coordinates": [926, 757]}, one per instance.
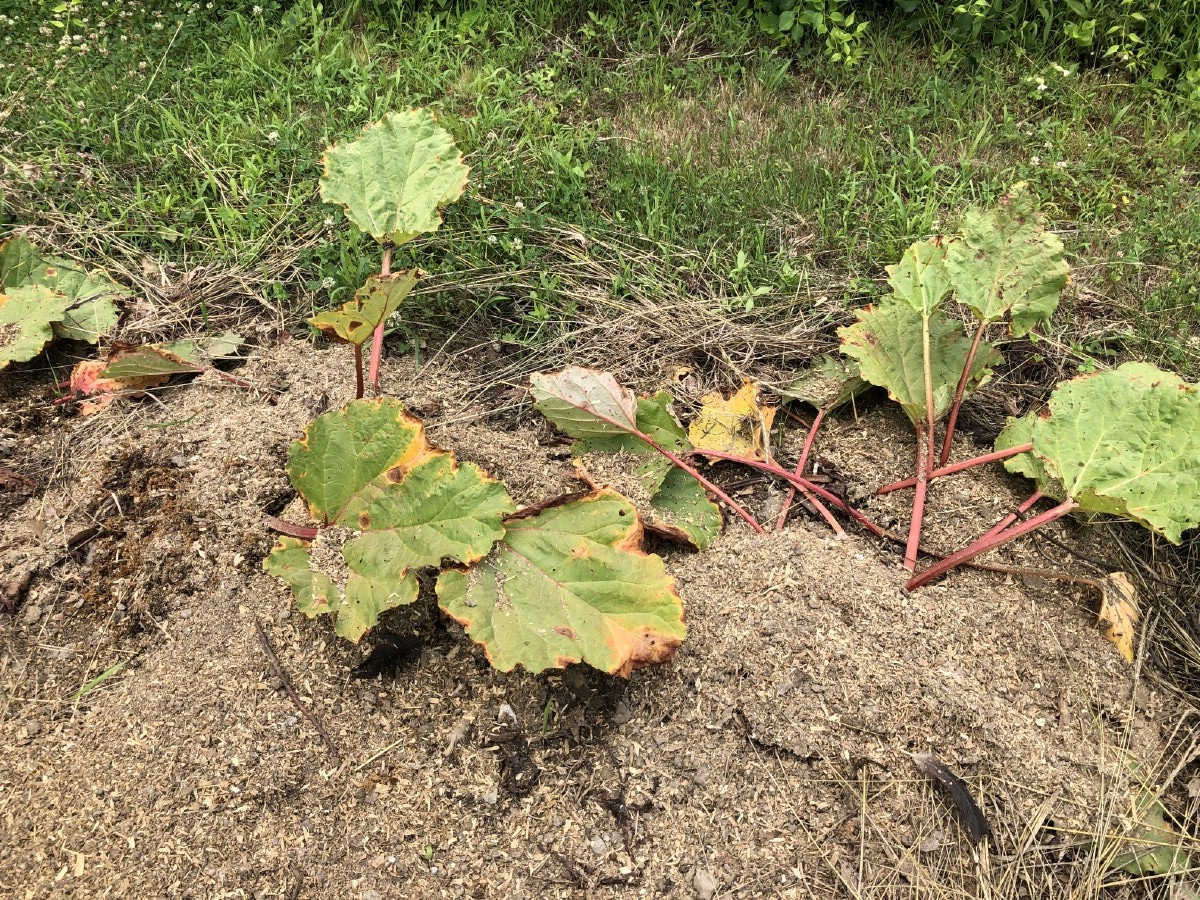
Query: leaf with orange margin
{"type": "Point", "coordinates": [739, 425]}
{"type": "Point", "coordinates": [1119, 607]}
{"type": "Point", "coordinates": [89, 379]}
{"type": "Point", "coordinates": [569, 584]}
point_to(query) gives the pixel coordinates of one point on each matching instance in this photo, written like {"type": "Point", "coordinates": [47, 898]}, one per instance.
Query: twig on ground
{"type": "Point", "coordinates": [277, 668]}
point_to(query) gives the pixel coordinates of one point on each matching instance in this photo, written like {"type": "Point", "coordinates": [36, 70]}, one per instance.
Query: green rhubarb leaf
{"type": "Point", "coordinates": [390, 502]}
{"type": "Point", "coordinates": [1152, 846]}
{"type": "Point", "coordinates": [569, 584]}
{"type": "Point", "coordinates": [92, 311]}
{"type": "Point", "coordinates": [395, 176]}
{"type": "Point", "coordinates": [605, 418]}
{"type": "Point", "coordinates": [1016, 433]}
{"type": "Point", "coordinates": [1006, 262]}
{"type": "Point", "coordinates": [27, 316]}
{"type": "Point", "coordinates": [887, 342]}
{"type": "Point", "coordinates": [381, 296]}
{"type": "Point", "coordinates": [147, 361]}
{"type": "Point", "coordinates": [920, 278]}
{"type": "Point", "coordinates": [681, 508]}
{"type": "Point", "coordinates": [289, 561]}
{"type": "Point", "coordinates": [1126, 441]}
{"type": "Point", "coordinates": [832, 381]}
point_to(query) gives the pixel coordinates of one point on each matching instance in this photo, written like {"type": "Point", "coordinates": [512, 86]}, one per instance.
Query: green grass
{"type": "Point", "coordinates": [199, 139]}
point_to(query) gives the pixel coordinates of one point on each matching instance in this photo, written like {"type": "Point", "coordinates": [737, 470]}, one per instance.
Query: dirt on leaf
{"type": "Point", "coordinates": [151, 751]}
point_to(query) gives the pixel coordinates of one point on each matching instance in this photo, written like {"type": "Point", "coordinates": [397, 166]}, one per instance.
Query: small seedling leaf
{"type": "Point", "coordinates": [92, 310]}
{"type": "Point", "coordinates": [395, 176]}
{"type": "Point", "coordinates": [1006, 262]}
{"type": "Point", "coordinates": [381, 296]}
{"type": "Point", "coordinates": [831, 382]}
{"type": "Point", "coordinates": [27, 316]}
{"type": "Point", "coordinates": [740, 425]}
{"type": "Point", "coordinates": [887, 342]}
{"type": "Point", "coordinates": [391, 503]}
{"type": "Point", "coordinates": [1119, 608]}
{"type": "Point", "coordinates": [1124, 441]}
{"type": "Point", "coordinates": [920, 278]}
{"type": "Point", "coordinates": [569, 584]}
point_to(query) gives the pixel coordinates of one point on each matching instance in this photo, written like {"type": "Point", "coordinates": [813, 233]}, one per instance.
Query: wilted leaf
{"type": "Point", "coordinates": [372, 304]}
{"type": "Point", "coordinates": [147, 361]}
{"type": "Point", "coordinates": [1006, 262]}
{"type": "Point", "coordinates": [920, 278]}
{"type": "Point", "coordinates": [830, 382]}
{"type": "Point", "coordinates": [569, 584]}
{"type": "Point", "coordinates": [739, 425]}
{"type": "Point", "coordinates": [90, 379]}
{"type": "Point", "coordinates": [91, 311]}
{"type": "Point", "coordinates": [887, 343]}
{"type": "Point", "coordinates": [394, 502]}
{"type": "Point", "coordinates": [1119, 607]}
{"type": "Point", "coordinates": [27, 316]}
{"type": "Point", "coordinates": [393, 178]}
{"type": "Point", "coordinates": [1125, 442]}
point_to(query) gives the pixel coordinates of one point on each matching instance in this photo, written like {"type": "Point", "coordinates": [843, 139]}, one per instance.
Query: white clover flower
{"type": "Point", "coordinates": [1061, 164]}
{"type": "Point", "coordinates": [327, 283]}
{"type": "Point", "coordinates": [328, 221]}
{"type": "Point", "coordinates": [273, 136]}
{"type": "Point", "coordinates": [1042, 86]}
{"type": "Point", "coordinates": [517, 245]}
{"type": "Point", "coordinates": [491, 239]}
{"type": "Point", "coordinates": [519, 205]}
{"type": "Point", "coordinates": [1035, 160]}
{"type": "Point", "coordinates": [257, 10]}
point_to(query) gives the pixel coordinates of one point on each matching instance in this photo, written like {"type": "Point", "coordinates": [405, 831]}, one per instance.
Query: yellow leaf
{"type": "Point", "coordinates": [739, 425]}
{"type": "Point", "coordinates": [1119, 607]}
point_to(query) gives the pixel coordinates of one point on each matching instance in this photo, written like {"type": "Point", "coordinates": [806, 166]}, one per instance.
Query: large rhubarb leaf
{"type": "Point", "coordinates": [920, 278]}
{"type": "Point", "coordinates": [1016, 433]}
{"type": "Point", "coordinates": [887, 344]}
{"type": "Point", "coordinates": [589, 405]}
{"type": "Point", "coordinates": [1124, 441]}
{"type": "Point", "coordinates": [91, 311]}
{"type": "Point", "coordinates": [393, 179]}
{"type": "Point", "coordinates": [390, 502]}
{"type": "Point", "coordinates": [830, 382]}
{"type": "Point", "coordinates": [1006, 262]}
{"type": "Point", "coordinates": [569, 584]}
{"type": "Point", "coordinates": [381, 296]}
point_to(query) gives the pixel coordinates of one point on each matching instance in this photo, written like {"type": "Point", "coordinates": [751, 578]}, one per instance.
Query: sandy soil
{"type": "Point", "coordinates": [772, 758]}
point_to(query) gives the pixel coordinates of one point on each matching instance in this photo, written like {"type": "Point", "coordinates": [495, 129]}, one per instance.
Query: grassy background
{"type": "Point", "coordinates": [671, 133]}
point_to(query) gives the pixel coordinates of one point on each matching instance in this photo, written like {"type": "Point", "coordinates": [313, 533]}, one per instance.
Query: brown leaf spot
{"type": "Point", "coordinates": [364, 520]}
{"type": "Point", "coordinates": [565, 631]}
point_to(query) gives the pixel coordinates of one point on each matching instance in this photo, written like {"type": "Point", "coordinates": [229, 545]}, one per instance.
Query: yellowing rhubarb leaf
{"type": "Point", "coordinates": [1119, 608]}
{"type": "Point", "coordinates": [569, 584]}
{"type": "Point", "coordinates": [381, 296]}
{"type": "Point", "coordinates": [389, 503]}
{"type": "Point", "coordinates": [740, 425]}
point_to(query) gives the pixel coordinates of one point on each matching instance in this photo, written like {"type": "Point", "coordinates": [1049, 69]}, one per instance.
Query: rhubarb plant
{"type": "Point", "coordinates": [392, 182]}
{"type": "Point", "coordinates": [1121, 442]}
{"type": "Point", "coordinates": [1004, 263]}
{"type": "Point", "coordinates": [561, 583]}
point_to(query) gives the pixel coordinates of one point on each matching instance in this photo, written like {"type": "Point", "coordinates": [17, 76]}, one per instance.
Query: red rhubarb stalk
{"type": "Point", "coordinates": [957, 467]}
{"type": "Point", "coordinates": [958, 394]}
{"type": "Point", "coordinates": [800, 467]}
{"type": "Point", "coordinates": [991, 542]}
{"type": "Point", "coordinates": [377, 337]}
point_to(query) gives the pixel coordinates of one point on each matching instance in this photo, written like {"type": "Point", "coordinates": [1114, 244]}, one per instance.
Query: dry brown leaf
{"type": "Point", "coordinates": [1119, 607]}
{"type": "Point", "coordinates": [739, 425]}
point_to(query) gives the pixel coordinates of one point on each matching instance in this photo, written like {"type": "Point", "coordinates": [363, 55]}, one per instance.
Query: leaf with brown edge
{"type": "Point", "coordinates": [569, 584]}
{"type": "Point", "coordinates": [378, 298]}
{"type": "Point", "coordinates": [90, 379]}
{"type": "Point", "coordinates": [740, 425]}
{"type": "Point", "coordinates": [1119, 607]}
